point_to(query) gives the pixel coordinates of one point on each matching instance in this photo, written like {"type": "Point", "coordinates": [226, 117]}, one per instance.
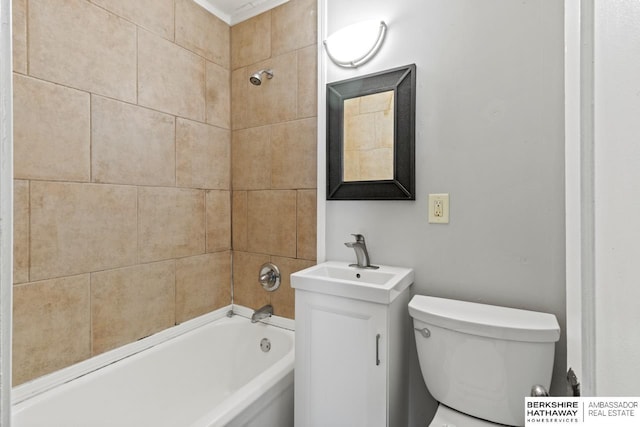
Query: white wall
{"type": "Point", "coordinates": [617, 196]}
{"type": "Point", "coordinates": [577, 136]}
{"type": "Point", "coordinates": [489, 131]}
{"type": "Point", "coordinates": [6, 211]}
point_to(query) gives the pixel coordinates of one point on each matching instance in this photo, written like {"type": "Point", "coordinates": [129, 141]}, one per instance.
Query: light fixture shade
{"type": "Point", "coordinates": [356, 44]}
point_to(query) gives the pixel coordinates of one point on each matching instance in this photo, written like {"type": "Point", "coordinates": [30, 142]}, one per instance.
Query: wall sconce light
{"type": "Point", "coordinates": [356, 44]}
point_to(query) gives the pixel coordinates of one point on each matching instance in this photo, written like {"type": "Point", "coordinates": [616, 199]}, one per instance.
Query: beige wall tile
{"type": "Point", "coordinates": [51, 131]}
{"type": "Point", "coordinates": [171, 223]}
{"type": "Point", "coordinates": [202, 33]}
{"type": "Point", "coordinates": [78, 44]}
{"type": "Point", "coordinates": [251, 41]}
{"type": "Point", "coordinates": [376, 164]}
{"type": "Point", "coordinates": [381, 101]}
{"type": "Point", "coordinates": [218, 96]}
{"type": "Point", "coordinates": [351, 106]}
{"type": "Point", "coordinates": [20, 231]}
{"type": "Point", "coordinates": [131, 144]}
{"type": "Point", "coordinates": [203, 284]}
{"type": "Point", "coordinates": [307, 82]}
{"type": "Point", "coordinates": [294, 154]}
{"type": "Point", "coordinates": [239, 218]}
{"type": "Point", "coordinates": [251, 159]}
{"type": "Point", "coordinates": [247, 291]}
{"type": "Point", "coordinates": [96, 226]}
{"type": "Point", "coordinates": [275, 100]}
{"type": "Point", "coordinates": [359, 132]}
{"type": "Point", "coordinates": [19, 33]}
{"type": "Point", "coordinates": [283, 298]}
{"type": "Point", "coordinates": [306, 219]}
{"type": "Point", "coordinates": [239, 96]}
{"type": "Point", "coordinates": [272, 222]}
{"type": "Point", "coordinates": [294, 26]}
{"type": "Point", "coordinates": [154, 15]}
{"type": "Point", "coordinates": [170, 78]}
{"type": "Point", "coordinates": [51, 326]}
{"type": "Point", "coordinates": [351, 166]}
{"type": "Point", "coordinates": [78, 228]}
{"type": "Point", "coordinates": [384, 129]}
{"type": "Point", "coordinates": [218, 221]}
{"type": "Point", "coordinates": [131, 303]}
{"type": "Point", "coordinates": [203, 155]}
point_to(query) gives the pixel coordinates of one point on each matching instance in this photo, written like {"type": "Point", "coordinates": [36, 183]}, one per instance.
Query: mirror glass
{"type": "Point", "coordinates": [371, 136]}
{"type": "Point", "coordinates": [368, 137]}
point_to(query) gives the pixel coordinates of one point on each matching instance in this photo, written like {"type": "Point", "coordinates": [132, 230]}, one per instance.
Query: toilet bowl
{"type": "Point", "coordinates": [480, 361]}
{"type": "Point", "coordinates": [447, 417]}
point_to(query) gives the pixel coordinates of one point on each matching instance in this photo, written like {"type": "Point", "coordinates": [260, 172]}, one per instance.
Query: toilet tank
{"type": "Point", "coordinates": [481, 359]}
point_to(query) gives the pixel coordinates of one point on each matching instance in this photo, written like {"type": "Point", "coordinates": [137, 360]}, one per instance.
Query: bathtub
{"type": "Point", "coordinates": [209, 371]}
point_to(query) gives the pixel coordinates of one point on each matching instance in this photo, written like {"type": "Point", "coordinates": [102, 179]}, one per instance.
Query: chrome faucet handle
{"type": "Point", "coordinates": [269, 277]}
{"type": "Point", "coordinates": [359, 237]}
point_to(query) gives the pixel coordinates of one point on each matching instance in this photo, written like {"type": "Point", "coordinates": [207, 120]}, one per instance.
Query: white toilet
{"type": "Point", "coordinates": [480, 361]}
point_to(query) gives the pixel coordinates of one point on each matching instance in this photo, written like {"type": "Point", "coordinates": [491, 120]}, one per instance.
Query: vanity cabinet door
{"type": "Point", "coordinates": [341, 362]}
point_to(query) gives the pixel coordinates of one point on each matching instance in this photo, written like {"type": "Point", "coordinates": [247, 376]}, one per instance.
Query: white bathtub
{"type": "Point", "coordinates": [210, 371]}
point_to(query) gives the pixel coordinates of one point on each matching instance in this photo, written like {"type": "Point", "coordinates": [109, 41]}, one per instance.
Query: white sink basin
{"type": "Point", "coordinates": [337, 278]}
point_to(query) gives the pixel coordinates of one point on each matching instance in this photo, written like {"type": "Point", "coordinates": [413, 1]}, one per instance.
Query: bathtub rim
{"type": "Point", "coordinates": [37, 386]}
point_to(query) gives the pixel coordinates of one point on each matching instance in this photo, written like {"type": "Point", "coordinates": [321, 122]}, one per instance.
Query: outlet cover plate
{"type": "Point", "coordinates": [439, 208]}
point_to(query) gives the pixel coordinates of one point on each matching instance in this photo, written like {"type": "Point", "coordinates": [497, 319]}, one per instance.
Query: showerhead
{"type": "Point", "coordinates": [256, 78]}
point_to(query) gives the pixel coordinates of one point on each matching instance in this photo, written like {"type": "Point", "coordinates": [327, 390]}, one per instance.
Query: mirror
{"type": "Point", "coordinates": [368, 137]}
{"type": "Point", "coordinates": [371, 136]}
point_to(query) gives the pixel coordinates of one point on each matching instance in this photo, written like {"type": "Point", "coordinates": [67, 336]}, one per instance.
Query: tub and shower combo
{"type": "Point", "coordinates": [214, 370]}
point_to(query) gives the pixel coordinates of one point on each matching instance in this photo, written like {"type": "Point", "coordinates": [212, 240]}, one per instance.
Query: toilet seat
{"type": "Point", "coordinates": [447, 417]}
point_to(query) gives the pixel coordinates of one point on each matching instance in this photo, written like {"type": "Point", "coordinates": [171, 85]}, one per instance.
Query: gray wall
{"type": "Point", "coordinates": [489, 131]}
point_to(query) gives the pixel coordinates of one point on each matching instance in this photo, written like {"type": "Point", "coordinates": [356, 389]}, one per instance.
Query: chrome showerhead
{"type": "Point", "coordinates": [256, 78]}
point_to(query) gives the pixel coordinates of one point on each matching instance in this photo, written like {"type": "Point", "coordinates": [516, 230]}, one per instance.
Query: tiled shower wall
{"type": "Point", "coordinates": [124, 163]}
{"type": "Point", "coordinates": [122, 166]}
{"type": "Point", "coordinates": [274, 150]}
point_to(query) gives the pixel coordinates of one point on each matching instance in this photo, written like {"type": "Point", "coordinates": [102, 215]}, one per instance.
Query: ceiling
{"type": "Point", "coordinates": [235, 11]}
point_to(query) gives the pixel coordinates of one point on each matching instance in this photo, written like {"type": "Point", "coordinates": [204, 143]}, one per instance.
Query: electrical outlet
{"type": "Point", "coordinates": [439, 208]}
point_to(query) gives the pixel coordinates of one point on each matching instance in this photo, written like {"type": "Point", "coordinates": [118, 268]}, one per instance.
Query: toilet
{"type": "Point", "coordinates": [480, 361]}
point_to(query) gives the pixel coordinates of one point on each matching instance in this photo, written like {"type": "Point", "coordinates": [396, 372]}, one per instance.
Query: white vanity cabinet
{"type": "Point", "coordinates": [351, 357]}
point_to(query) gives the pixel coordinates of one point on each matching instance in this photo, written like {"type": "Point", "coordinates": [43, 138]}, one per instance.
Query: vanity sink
{"type": "Point", "coordinates": [381, 285]}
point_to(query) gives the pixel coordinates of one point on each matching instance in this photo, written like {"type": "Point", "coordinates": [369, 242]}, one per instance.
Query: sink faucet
{"type": "Point", "coordinates": [362, 255]}
{"type": "Point", "coordinates": [262, 313]}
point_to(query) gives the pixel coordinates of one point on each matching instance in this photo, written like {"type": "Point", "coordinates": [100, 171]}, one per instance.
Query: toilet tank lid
{"type": "Point", "coordinates": [485, 320]}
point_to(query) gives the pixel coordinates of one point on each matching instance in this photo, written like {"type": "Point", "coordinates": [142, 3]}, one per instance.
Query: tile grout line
{"type": "Point", "coordinates": [91, 314]}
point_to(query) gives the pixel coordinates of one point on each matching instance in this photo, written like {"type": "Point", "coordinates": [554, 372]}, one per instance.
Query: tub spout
{"type": "Point", "coordinates": [262, 313]}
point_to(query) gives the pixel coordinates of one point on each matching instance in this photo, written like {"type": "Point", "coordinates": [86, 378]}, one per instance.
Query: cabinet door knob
{"type": "Point", "coordinates": [378, 350]}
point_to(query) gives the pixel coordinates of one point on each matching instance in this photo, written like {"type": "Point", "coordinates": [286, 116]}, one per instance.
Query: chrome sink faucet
{"type": "Point", "coordinates": [262, 313]}
{"type": "Point", "coordinates": [362, 255]}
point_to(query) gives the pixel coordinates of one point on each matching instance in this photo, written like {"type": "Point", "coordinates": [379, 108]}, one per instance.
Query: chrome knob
{"type": "Point", "coordinates": [269, 277]}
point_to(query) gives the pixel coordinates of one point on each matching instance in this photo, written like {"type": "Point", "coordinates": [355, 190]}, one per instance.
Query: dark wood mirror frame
{"type": "Point", "coordinates": [402, 81]}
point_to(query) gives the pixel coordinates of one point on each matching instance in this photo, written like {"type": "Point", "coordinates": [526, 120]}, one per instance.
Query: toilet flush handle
{"type": "Point", "coordinates": [426, 333]}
